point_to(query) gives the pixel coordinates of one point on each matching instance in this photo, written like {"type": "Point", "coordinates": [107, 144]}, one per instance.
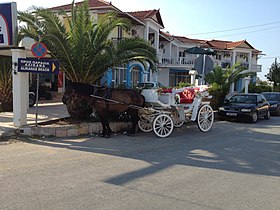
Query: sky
{"type": "Point", "coordinates": [256, 21]}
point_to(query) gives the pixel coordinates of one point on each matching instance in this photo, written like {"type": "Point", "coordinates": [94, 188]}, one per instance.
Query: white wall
{"type": "Point", "coordinates": [163, 76]}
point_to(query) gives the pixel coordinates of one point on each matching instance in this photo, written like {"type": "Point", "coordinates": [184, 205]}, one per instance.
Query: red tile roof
{"type": "Point", "coordinates": [215, 44]}
{"type": "Point", "coordinates": [93, 4]}
{"type": "Point", "coordinates": [142, 15]}
{"type": "Point", "coordinates": [189, 40]}
{"type": "Point", "coordinates": [229, 45]}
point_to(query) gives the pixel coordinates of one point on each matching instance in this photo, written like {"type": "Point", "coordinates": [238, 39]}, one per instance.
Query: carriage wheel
{"type": "Point", "coordinates": [163, 125]}
{"type": "Point", "coordinates": [176, 120]}
{"type": "Point", "coordinates": [145, 124]}
{"type": "Point", "coordinates": [205, 118]}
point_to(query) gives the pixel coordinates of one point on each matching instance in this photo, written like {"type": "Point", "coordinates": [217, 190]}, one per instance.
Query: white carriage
{"type": "Point", "coordinates": [170, 108]}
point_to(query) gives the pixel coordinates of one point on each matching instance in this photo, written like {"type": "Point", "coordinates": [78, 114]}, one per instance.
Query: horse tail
{"type": "Point", "coordinates": [143, 104]}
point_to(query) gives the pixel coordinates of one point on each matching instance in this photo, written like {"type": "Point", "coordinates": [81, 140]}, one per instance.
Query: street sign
{"type": "Point", "coordinates": [8, 23]}
{"type": "Point", "coordinates": [38, 65]}
{"type": "Point", "coordinates": [39, 50]}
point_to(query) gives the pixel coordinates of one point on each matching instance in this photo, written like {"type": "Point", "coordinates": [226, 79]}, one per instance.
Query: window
{"type": "Point", "coordinates": [225, 65]}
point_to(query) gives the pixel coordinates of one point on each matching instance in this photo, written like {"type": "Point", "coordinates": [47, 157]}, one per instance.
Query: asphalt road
{"type": "Point", "coordinates": [234, 166]}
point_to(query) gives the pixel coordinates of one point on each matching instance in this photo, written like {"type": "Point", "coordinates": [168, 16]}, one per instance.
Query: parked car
{"type": "Point", "coordinates": [249, 107]}
{"type": "Point", "coordinates": [43, 91]}
{"type": "Point", "coordinates": [149, 85]}
{"type": "Point", "coordinates": [274, 99]}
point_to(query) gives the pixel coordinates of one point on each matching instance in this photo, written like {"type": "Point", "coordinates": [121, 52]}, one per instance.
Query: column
{"type": "Point", "coordinates": [20, 89]}
{"type": "Point", "coordinates": [250, 61]}
{"type": "Point", "coordinates": [234, 58]}
{"type": "Point", "coordinates": [193, 73]}
{"type": "Point", "coordinates": [247, 82]}
{"type": "Point", "coordinates": [231, 88]}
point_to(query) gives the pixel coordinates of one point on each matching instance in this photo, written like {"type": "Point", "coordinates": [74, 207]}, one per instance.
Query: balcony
{"type": "Point", "coordinates": [176, 62]}
{"type": "Point", "coordinates": [256, 68]}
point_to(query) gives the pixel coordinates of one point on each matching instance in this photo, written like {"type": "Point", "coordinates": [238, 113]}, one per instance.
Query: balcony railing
{"type": "Point", "coordinates": [256, 68]}
{"type": "Point", "coordinates": [176, 61]}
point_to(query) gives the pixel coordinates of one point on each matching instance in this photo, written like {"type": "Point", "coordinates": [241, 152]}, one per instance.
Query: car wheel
{"type": "Point", "coordinates": [267, 116]}
{"type": "Point", "coordinates": [254, 117]}
{"type": "Point", "coordinates": [32, 100]}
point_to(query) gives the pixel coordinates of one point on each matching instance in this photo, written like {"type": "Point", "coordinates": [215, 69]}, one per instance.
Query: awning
{"type": "Point", "coordinates": [179, 70]}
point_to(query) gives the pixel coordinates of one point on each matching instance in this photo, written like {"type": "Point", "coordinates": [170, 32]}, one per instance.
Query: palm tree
{"type": "Point", "coordinates": [221, 80]}
{"type": "Point", "coordinates": [82, 46]}
{"type": "Point", "coordinates": [6, 94]}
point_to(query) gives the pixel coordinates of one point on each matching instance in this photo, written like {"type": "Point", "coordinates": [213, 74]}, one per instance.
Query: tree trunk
{"type": "Point", "coordinates": [79, 107]}
{"type": "Point", "coordinates": [6, 100]}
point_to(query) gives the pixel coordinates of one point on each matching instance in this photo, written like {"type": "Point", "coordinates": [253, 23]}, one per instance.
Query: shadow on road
{"type": "Point", "coordinates": [234, 147]}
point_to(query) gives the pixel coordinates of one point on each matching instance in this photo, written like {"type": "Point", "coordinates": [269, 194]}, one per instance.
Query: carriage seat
{"type": "Point", "coordinates": [187, 95]}
{"type": "Point", "coordinates": [167, 90]}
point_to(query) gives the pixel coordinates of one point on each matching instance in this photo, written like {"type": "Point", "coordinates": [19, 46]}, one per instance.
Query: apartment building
{"type": "Point", "coordinates": [145, 24]}
{"type": "Point", "coordinates": [175, 64]}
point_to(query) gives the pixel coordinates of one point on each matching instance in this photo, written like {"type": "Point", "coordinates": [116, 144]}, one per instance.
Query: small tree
{"type": "Point", "coordinates": [259, 87]}
{"type": "Point", "coordinates": [274, 73]}
{"type": "Point", "coordinates": [220, 80]}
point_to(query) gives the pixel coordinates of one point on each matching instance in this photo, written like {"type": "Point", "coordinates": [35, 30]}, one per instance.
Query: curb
{"type": "Point", "coordinates": [72, 130]}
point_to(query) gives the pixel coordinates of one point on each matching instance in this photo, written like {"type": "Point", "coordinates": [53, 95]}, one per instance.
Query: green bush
{"type": "Point", "coordinates": [276, 88]}
{"type": "Point", "coordinates": [258, 88]}
{"type": "Point", "coordinates": [218, 96]}
{"type": "Point", "coordinates": [183, 84]}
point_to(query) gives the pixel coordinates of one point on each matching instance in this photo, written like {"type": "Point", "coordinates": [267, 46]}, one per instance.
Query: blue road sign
{"type": "Point", "coordinates": [38, 65]}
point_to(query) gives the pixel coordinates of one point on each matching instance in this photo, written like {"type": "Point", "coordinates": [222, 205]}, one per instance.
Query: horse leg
{"type": "Point", "coordinates": [134, 119]}
{"type": "Point", "coordinates": [103, 123]}
{"type": "Point", "coordinates": [109, 131]}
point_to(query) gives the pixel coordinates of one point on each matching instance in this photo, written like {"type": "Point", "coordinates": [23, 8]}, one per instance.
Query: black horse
{"type": "Point", "coordinates": [107, 101]}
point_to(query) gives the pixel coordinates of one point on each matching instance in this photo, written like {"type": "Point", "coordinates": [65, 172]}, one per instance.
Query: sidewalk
{"type": "Point", "coordinates": [46, 111]}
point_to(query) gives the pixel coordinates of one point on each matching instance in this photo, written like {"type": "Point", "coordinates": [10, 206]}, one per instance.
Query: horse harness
{"type": "Point", "coordinates": [106, 98]}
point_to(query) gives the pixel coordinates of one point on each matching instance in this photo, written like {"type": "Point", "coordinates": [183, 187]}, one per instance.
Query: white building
{"type": "Point", "coordinates": [175, 65]}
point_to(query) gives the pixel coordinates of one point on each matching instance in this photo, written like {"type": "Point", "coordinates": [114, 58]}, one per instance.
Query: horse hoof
{"type": "Point", "coordinates": [130, 134]}
{"type": "Point", "coordinates": [107, 136]}
{"type": "Point", "coordinates": [102, 135]}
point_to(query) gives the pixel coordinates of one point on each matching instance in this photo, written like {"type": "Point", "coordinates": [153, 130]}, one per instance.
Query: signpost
{"type": "Point", "coordinates": [38, 65]}
{"type": "Point", "coordinates": [8, 32]}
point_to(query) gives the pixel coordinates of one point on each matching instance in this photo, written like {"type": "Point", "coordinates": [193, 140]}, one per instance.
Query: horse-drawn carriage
{"type": "Point", "coordinates": [170, 108]}
{"type": "Point", "coordinates": [152, 109]}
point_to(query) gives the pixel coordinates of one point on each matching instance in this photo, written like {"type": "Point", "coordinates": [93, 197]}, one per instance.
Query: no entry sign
{"type": "Point", "coordinates": [39, 50]}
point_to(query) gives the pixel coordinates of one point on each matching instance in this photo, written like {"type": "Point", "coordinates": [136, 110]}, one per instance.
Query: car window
{"type": "Point", "coordinates": [270, 97]}
{"type": "Point", "coordinates": [263, 98]}
{"type": "Point", "coordinates": [260, 99]}
{"type": "Point", "coordinates": [247, 99]}
{"type": "Point", "coordinates": [146, 85]}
